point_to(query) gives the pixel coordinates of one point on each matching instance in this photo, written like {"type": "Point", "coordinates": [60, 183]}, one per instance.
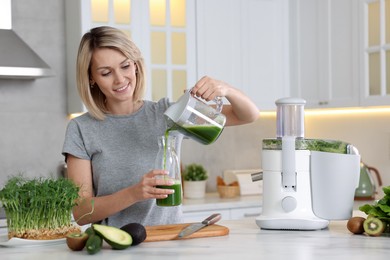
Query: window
{"type": "Point", "coordinates": [168, 48]}
{"type": "Point", "coordinates": [377, 47]}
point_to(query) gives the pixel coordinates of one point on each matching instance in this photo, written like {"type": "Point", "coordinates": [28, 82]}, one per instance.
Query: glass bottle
{"type": "Point", "coordinates": [167, 159]}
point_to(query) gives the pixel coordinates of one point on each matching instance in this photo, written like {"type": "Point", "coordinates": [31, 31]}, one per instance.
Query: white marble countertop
{"type": "Point", "coordinates": [245, 241]}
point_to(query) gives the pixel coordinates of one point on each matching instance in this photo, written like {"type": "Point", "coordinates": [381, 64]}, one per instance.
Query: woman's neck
{"type": "Point", "coordinates": [125, 108]}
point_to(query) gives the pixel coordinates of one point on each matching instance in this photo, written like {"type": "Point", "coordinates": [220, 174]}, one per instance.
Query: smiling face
{"type": "Point", "coordinates": [115, 75]}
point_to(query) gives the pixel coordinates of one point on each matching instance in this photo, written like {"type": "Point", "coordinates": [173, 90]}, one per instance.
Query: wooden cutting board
{"type": "Point", "coordinates": [171, 232]}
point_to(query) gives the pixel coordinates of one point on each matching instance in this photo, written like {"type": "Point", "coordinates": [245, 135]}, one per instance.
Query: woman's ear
{"type": "Point", "coordinates": [91, 83]}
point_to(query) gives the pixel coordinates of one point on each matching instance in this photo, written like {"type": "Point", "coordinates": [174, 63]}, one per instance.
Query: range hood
{"type": "Point", "coordinates": [17, 59]}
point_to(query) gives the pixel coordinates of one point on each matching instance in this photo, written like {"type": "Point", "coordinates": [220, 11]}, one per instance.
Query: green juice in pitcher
{"type": "Point", "coordinates": [173, 199]}
{"type": "Point", "coordinates": [205, 134]}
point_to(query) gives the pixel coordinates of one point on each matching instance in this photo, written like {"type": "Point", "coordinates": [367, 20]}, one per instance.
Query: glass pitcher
{"type": "Point", "coordinates": [195, 119]}
{"type": "Point", "coordinates": [168, 160]}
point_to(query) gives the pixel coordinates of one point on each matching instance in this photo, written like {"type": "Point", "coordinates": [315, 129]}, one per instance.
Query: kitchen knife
{"type": "Point", "coordinates": [196, 226]}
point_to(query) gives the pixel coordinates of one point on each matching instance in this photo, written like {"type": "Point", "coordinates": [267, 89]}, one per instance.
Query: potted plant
{"type": "Point", "coordinates": [194, 181]}
{"type": "Point", "coordinates": [39, 208]}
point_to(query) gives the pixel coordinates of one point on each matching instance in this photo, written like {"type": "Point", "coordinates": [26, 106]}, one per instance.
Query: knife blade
{"type": "Point", "coordinates": [214, 218]}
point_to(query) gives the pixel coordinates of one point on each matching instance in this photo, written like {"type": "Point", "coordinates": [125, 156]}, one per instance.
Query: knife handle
{"type": "Point", "coordinates": [212, 219]}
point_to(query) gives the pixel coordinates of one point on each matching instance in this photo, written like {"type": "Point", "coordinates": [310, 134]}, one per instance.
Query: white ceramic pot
{"type": "Point", "coordinates": [194, 189]}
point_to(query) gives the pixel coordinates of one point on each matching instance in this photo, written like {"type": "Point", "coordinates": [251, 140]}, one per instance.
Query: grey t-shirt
{"type": "Point", "coordinates": [122, 148]}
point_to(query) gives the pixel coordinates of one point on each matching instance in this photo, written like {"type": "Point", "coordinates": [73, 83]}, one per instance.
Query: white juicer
{"type": "Point", "coordinates": [306, 182]}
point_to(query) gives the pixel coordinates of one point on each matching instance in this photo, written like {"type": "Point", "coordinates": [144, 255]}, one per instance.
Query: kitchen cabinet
{"type": "Point", "coordinates": [245, 43]}
{"type": "Point", "coordinates": [340, 51]}
{"type": "Point", "coordinates": [324, 52]}
{"type": "Point", "coordinates": [198, 216]}
{"type": "Point", "coordinates": [230, 208]}
{"type": "Point", "coordinates": [231, 213]}
{"type": "Point", "coordinates": [374, 48]}
{"type": "Point", "coordinates": [247, 212]}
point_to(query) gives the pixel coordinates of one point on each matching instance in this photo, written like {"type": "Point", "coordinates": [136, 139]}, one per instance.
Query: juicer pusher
{"type": "Point", "coordinates": [290, 125]}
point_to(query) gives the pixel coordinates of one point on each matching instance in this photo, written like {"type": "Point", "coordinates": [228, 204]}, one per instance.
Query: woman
{"type": "Point", "coordinates": [110, 151]}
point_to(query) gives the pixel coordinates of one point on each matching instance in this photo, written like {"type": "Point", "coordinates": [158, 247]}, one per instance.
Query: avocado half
{"type": "Point", "coordinates": [115, 237]}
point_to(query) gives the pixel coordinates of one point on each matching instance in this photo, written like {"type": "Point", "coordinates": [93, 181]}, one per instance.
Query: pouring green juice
{"type": "Point", "coordinates": [197, 120]}
{"type": "Point", "coordinates": [171, 164]}
{"type": "Point", "coordinates": [205, 134]}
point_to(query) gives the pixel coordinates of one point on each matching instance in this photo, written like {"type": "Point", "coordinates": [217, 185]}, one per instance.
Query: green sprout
{"type": "Point", "coordinates": [38, 204]}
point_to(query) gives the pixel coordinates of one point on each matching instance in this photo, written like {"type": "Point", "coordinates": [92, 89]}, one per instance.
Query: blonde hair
{"type": "Point", "coordinates": [112, 38]}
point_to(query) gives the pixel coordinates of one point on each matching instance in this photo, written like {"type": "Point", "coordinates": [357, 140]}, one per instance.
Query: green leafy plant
{"type": "Point", "coordinates": [194, 172]}
{"type": "Point", "coordinates": [381, 208]}
{"type": "Point", "coordinates": [378, 219]}
{"type": "Point", "coordinates": [38, 204]}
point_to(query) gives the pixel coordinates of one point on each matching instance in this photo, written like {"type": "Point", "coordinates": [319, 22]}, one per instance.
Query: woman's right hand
{"type": "Point", "coordinates": [146, 188]}
{"type": "Point", "coordinates": [92, 209]}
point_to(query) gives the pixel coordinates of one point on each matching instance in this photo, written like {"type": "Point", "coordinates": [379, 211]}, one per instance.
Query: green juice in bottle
{"type": "Point", "coordinates": [169, 162]}
{"type": "Point", "coordinates": [173, 199]}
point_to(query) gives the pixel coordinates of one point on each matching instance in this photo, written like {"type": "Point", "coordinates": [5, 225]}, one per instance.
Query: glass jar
{"type": "Point", "coordinates": [167, 159]}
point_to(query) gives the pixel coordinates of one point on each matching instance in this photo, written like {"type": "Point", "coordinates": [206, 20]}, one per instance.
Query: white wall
{"type": "Point", "coordinates": [33, 112]}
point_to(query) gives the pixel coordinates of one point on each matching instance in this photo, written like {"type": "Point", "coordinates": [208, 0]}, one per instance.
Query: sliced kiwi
{"type": "Point", "coordinates": [373, 226]}
{"type": "Point", "coordinates": [76, 241]}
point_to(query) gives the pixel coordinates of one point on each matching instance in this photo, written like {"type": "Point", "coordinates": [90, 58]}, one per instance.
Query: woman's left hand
{"type": "Point", "coordinates": [241, 109]}
{"type": "Point", "coordinates": [208, 88]}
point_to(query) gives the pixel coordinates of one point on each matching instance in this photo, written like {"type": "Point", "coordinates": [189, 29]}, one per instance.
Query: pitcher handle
{"type": "Point", "coordinates": [378, 176]}
{"type": "Point", "coordinates": [219, 102]}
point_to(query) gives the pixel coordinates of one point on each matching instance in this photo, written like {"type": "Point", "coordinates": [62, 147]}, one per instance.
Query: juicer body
{"type": "Point", "coordinates": [323, 191]}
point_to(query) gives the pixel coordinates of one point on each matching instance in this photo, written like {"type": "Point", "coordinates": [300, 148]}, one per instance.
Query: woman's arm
{"type": "Point", "coordinates": [241, 109]}
{"type": "Point", "coordinates": [91, 209]}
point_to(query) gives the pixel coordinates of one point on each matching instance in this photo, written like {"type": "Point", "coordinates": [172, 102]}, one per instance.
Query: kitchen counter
{"type": "Point", "coordinates": [245, 241]}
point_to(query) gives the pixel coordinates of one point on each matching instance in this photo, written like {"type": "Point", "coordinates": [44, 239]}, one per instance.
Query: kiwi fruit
{"type": "Point", "coordinates": [76, 241]}
{"type": "Point", "coordinates": [137, 232]}
{"type": "Point", "coordinates": [355, 225]}
{"type": "Point", "coordinates": [373, 226]}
